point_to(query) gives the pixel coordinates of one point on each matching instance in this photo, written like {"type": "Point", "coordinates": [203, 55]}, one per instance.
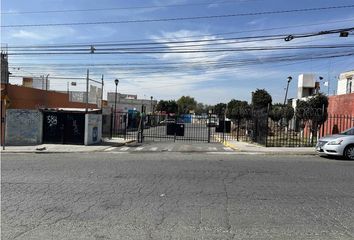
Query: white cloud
{"type": "Point", "coordinates": [39, 35]}
{"type": "Point", "coordinates": [22, 34]}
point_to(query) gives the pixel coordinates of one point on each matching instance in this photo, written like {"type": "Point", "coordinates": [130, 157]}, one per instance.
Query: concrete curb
{"type": "Point", "coordinates": [268, 152]}
{"type": "Point", "coordinates": [227, 144]}
{"type": "Point", "coordinates": [281, 153]}
{"type": "Point", "coordinates": [232, 146]}
{"type": "Point", "coordinates": [79, 151]}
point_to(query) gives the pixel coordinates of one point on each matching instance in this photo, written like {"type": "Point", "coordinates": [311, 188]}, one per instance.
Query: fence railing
{"type": "Point", "coordinates": [259, 127]}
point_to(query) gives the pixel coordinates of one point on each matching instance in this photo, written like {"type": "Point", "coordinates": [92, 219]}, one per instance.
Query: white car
{"type": "Point", "coordinates": [337, 145]}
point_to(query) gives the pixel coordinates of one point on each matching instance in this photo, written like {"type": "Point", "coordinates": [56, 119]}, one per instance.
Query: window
{"type": "Point", "coordinates": [349, 131]}
{"type": "Point", "coordinates": [349, 85]}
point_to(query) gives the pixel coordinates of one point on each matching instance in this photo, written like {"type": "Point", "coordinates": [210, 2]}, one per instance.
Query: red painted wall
{"type": "Point", "coordinates": [341, 104]}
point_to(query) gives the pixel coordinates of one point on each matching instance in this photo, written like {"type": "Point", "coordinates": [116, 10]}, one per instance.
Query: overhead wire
{"type": "Point", "coordinates": [123, 8]}
{"type": "Point", "coordinates": [180, 18]}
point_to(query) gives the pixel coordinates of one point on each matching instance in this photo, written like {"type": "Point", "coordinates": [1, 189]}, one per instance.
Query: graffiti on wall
{"type": "Point", "coordinates": [23, 127]}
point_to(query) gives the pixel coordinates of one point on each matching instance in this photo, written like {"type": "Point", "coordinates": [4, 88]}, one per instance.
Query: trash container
{"type": "Point", "coordinates": [179, 129]}
{"type": "Point", "coordinates": [220, 127]}
{"type": "Point", "coordinates": [170, 128]}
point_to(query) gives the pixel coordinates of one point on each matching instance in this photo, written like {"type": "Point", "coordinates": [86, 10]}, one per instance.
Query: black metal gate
{"type": "Point", "coordinates": [177, 128]}
{"type": "Point", "coordinates": [163, 127]}
{"type": "Point", "coordinates": [63, 128]}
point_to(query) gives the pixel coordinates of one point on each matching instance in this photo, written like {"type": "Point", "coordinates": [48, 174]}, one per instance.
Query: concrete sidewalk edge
{"type": "Point", "coordinates": [269, 151]}
{"type": "Point", "coordinates": [103, 149]}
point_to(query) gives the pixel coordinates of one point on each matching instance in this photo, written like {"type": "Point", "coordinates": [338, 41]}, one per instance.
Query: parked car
{"type": "Point", "coordinates": [337, 145]}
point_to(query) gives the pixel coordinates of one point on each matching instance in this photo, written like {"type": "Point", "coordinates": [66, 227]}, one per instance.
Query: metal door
{"type": "Point", "coordinates": [74, 128]}
{"type": "Point", "coordinates": [53, 128]}
{"type": "Point", "coordinates": [63, 128]}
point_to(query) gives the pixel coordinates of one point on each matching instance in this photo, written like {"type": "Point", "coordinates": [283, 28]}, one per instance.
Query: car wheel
{"type": "Point", "coordinates": [349, 152]}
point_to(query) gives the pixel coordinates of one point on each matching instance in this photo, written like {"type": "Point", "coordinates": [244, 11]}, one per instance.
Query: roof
{"type": "Point", "coordinates": [77, 110]}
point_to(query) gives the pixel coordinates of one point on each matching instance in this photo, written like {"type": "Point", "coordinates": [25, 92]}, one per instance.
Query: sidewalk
{"type": "Point", "coordinates": [255, 148]}
{"type": "Point", "coordinates": [65, 148]}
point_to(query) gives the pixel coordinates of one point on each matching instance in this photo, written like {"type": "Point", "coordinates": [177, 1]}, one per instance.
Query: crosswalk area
{"type": "Point", "coordinates": [172, 148]}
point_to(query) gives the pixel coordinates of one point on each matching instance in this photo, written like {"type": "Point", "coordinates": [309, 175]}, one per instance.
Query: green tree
{"type": "Point", "coordinates": [313, 111]}
{"type": "Point", "coordinates": [200, 108]}
{"type": "Point", "coordinates": [280, 111]}
{"type": "Point", "coordinates": [319, 104]}
{"type": "Point", "coordinates": [161, 106]}
{"type": "Point", "coordinates": [167, 106]}
{"type": "Point", "coordinates": [302, 109]}
{"type": "Point", "coordinates": [186, 104]}
{"type": "Point", "coordinates": [261, 99]}
{"type": "Point", "coordinates": [237, 110]}
{"type": "Point", "coordinates": [219, 109]}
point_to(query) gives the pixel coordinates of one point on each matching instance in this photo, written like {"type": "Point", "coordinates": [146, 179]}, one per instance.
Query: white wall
{"type": "Point", "coordinates": [306, 83]}
{"type": "Point", "coordinates": [23, 127]}
{"type": "Point", "coordinates": [343, 81]}
{"type": "Point", "coordinates": [93, 128]}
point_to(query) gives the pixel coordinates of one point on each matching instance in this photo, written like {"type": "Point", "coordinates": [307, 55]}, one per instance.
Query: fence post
{"type": "Point", "coordinates": [238, 129]}
{"type": "Point", "coordinates": [111, 132]}
{"type": "Point", "coordinates": [175, 128]}
{"type": "Point", "coordinates": [267, 119]}
{"type": "Point", "coordinates": [125, 125]}
{"type": "Point", "coordinates": [209, 124]}
{"type": "Point", "coordinates": [224, 128]}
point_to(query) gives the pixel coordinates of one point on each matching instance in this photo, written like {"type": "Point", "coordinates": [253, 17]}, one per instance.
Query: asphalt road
{"type": "Point", "coordinates": [170, 146]}
{"type": "Point", "coordinates": [192, 132]}
{"type": "Point", "coordinates": [176, 196]}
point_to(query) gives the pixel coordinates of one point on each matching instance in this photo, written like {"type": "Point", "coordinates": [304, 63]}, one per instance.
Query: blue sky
{"type": "Point", "coordinates": [209, 85]}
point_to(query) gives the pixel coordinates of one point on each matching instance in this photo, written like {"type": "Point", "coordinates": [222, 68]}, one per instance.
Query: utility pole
{"type": "Point", "coordinates": [46, 82]}
{"type": "Point", "coordinates": [87, 89]}
{"type": "Point", "coordinates": [287, 88]}
{"type": "Point", "coordinates": [102, 93]}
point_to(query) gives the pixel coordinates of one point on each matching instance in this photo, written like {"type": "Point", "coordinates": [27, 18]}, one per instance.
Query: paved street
{"type": "Point", "coordinates": [170, 146]}
{"type": "Point", "coordinates": [171, 195]}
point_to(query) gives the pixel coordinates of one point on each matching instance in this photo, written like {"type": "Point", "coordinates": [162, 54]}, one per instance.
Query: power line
{"type": "Point", "coordinates": [180, 18]}
{"type": "Point", "coordinates": [201, 36]}
{"type": "Point", "coordinates": [205, 41]}
{"type": "Point", "coordinates": [123, 8]}
{"type": "Point", "coordinates": [213, 41]}
{"type": "Point", "coordinates": [151, 50]}
{"type": "Point", "coordinates": [214, 65]}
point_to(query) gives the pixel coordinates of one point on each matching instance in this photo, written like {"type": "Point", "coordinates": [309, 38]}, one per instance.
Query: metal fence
{"type": "Point", "coordinates": [293, 133]}
{"type": "Point", "coordinates": [259, 128]}
{"type": "Point", "coordinates": [163, 127]}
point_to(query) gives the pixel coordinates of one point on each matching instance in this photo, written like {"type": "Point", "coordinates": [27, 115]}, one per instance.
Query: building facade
{"type": "Point", "coordinates": [21, 108]}
{"type": "Point", "coordinates": [42, 82]}
{"type": "Point", "coordinates": [126, 102]}
{"type": "Point", "coordinates": [346, 83]}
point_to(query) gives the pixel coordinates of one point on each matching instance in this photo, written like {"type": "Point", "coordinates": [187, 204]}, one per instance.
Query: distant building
{"type": "Point", "coordinates": [346, 83]}
{"type": "Point", "coordinates": [94, 96]}
{"type": "Point", "coordinates": [307, 85]}
{"type": "Point", "coordinates": [36, 82]}
{"type": "Point", "coordinates": [343, 102]}
{"type": "Point", "coordinates": [127, 102]}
